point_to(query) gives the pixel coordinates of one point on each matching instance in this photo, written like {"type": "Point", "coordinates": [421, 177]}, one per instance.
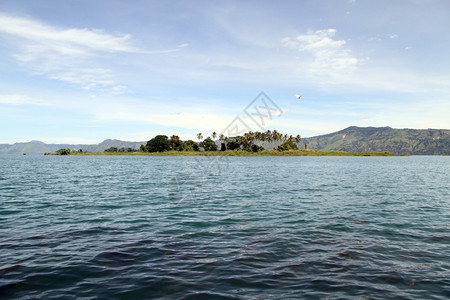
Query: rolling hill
{"type": "Point", "coordinates": [380, 139]}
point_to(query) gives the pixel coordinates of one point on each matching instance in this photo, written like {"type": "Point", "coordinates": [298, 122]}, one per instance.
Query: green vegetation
{"type": "Point", "coordinates": [240, 153]}
{"type": "Point", "coordinates": [208, 145]}
{"type": "Point", "coordinates": [250, 144]}
{"type": "Point", "coordinates": [286, 146]}
{"type": "Point", "coordinates": [351, 139]}
{"type": "Point", "coordinates": [159, 143]}
{"type": "Point", "coordinates": [63, 152]}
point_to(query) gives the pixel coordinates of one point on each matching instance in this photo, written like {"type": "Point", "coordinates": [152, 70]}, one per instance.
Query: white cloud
{"type": "Point", "coordinates": [329, 56]}
{"type": "Point", "coordinates": [68, 55]}
{"type": "Point", "coordinates": [88, 78]}
{"type": "Point", "coordinates": [19, 100]}
{"type": "Point", "coordinates": [71, 42]}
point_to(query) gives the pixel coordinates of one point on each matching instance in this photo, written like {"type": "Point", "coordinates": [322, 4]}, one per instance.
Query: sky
{"type": "Point", "coordinates": [81, 71]}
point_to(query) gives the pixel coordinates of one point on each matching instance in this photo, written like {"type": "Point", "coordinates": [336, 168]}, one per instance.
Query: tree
{"type": "Point", "coordinates": [289, 145]}
{"type": "Point", "coordinates": [269, 137]}
{"type": "Point", "coordinates": [190, 145]}
{"type": "Point", "coordinates": [256, 148]}
{"type": "Point", "coordinates": [176, 143]}
{"type": "Point", "coordinates": [199, 136]}
{"type": "Point", "coordinates": [233, 144]}
{"type": "Point", "coordinates": [214, 135]}
{"type": "Point", "coordinates": [276, 135]}
{"type": "Point", "coordinates": [208, 144]}
{"type": "Point", "coordinates": [259, 137]}
{"type": "Point", "coordinates": [251, 147]}
{"type": "Point", "coordinates": [111, 149]}
{"type": "Point", "coordinates": [142, 148]}
{"type": "Point", "coordinates": [222, 139]}
{"type": "Point", "coordinates": [159, 143]}
{"type": "Point", "coordinates": [249, 137]}
{"type": "Point", "coordinates": [63, 152]}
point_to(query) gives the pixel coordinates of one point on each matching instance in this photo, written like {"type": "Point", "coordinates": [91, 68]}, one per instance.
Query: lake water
{"type": "Point", "coordinates": [123, 227]}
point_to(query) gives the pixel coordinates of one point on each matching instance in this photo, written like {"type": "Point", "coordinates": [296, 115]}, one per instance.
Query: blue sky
{"type": "Point", "coordinates": [83, 71]}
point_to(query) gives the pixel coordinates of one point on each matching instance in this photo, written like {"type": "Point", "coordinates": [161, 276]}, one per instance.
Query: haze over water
{"type": "Point", "coordinates": [120, 227]}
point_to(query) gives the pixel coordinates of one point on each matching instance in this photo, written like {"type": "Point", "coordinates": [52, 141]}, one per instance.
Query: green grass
{"type": "Point", "coordinates": [237, 153]}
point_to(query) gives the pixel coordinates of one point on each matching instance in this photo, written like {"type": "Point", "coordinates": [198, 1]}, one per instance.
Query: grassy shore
{"type": "Point", "coordinates": [238, 153]}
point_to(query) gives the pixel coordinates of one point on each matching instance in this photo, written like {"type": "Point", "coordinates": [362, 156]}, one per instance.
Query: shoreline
{"type": "Point", "coordinates": [235, 153]}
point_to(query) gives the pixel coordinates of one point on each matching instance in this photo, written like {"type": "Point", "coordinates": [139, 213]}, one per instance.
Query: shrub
{"type": "Point", "coordinates": [63, 152]}
{"type": "Point", "coordinates": [289, 145]}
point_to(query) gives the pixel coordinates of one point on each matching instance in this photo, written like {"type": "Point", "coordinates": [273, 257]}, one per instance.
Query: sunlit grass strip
{"type": "Point", "coordinates": [238, 153]}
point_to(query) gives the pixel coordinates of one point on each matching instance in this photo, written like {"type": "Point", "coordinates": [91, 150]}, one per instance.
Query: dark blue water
{"type": "Point", "coordinates": [115, 227]}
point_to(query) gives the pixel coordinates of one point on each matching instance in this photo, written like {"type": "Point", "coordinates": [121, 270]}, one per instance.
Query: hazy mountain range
{"type": "Point", "coordinates": [351, 139]}
{"type": "Point", "coordinates": [38, 147]}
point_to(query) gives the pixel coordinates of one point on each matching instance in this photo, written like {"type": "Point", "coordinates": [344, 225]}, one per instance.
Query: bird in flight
{"type": "Point", "coordinates": [298, 96]}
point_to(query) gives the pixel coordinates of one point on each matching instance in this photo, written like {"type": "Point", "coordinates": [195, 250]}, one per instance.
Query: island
{"type": "Point", "coordinates": [268, 143]}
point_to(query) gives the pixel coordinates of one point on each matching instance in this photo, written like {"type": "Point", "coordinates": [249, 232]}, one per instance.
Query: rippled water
{"type": "Point", "coordinates": [116, 227]}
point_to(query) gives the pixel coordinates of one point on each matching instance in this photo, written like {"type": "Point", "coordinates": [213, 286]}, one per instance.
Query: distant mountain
{"type": "Point", "coordinates": [351, 139]}
{"type": "Point", "coordinates": [380, 139]}
{"type": "Point", "coordinates": [38, 147]}
{"type": "Point", "coordinates": [115, 143]}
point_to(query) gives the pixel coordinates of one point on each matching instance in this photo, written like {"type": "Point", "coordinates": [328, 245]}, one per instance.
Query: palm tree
{"type": "Point", "coordinates": [276, 135]}
{"type": "Point", "coordinates": [269, 135]}
{"type": "Point", "coordinates": [298, 139]}
{"type": "Point", "coordinates": [290, 139]}
{"type": "Point", "coordinates": [249, 136]}
{"type": "Point", "coordinates": [214, 135]}
{"type": "Point", "coordinates": [258, 137]}
{"type": "Point", "coordinates": [263, 136]}
{"type": "Point", "coordinates": [199, 136]}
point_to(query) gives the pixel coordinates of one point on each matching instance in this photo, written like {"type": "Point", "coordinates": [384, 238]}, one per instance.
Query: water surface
{"type": "Point", "coordinates": [122, 227]}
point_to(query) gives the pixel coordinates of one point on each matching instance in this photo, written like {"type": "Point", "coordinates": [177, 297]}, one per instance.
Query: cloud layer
{"type": "Point", "coordinates": [329, 56]}
{"type": "Point", "coordinates": [66, 54]}
{"type": "Point", "coordinates": [74, 42]}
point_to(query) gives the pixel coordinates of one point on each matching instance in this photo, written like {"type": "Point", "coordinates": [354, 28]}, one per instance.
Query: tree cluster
{"type": "Point", "coordinates": [123, 149]}
{"type": "Point", "coordinates": [63, 152]}
{"type": "Point", "coordinates": [162, 143]}
{"type": "Point", "coordinates": [250, 141]}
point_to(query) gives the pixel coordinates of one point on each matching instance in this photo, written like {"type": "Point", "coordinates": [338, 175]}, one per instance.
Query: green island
{"type": "Point", "coordinates": [234, 153]}
{"type": "Point", "coordinates": [249, 144]}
